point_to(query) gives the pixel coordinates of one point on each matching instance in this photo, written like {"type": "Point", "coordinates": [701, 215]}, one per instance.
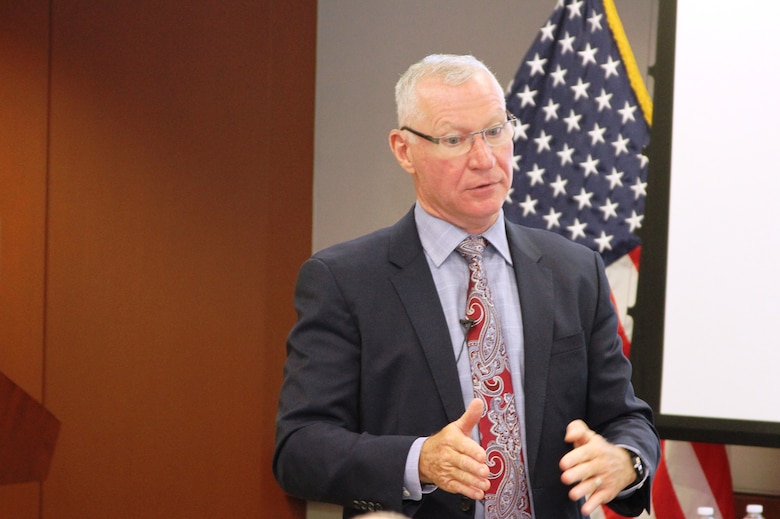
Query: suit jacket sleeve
{"type": "Point", "coordinates": [614, 411]}
{"type": "Point", "coordinates": [321, 453]}
{"type": "Point", "coordinates": [633, 426]}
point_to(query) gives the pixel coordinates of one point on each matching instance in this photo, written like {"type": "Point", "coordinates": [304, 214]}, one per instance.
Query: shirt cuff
{"type": "Point", "coordinates": [413, 490]}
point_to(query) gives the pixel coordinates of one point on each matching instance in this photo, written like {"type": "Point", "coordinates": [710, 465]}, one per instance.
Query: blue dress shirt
{"type": "Point", "coordinates": [450, 275]}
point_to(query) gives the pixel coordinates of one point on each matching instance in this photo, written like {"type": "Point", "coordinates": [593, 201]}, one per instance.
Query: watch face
{"type": "Point", "coordinates": [639, 467]}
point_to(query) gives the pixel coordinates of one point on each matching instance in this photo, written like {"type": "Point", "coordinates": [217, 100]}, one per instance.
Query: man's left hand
{"type": "Point", "coordinates": [594, 466]}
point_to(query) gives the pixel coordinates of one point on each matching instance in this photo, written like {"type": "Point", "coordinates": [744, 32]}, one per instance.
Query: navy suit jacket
{"type": "Point", "coordinates": [370, 368]}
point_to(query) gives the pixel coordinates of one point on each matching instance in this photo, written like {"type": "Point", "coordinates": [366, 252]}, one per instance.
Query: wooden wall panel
{"type": "Point", "coordinates": [23, 123]}
{"type": "Point", "coordinates": [24, 48]}
{"type": "Point", "coordinates": [178, 170]}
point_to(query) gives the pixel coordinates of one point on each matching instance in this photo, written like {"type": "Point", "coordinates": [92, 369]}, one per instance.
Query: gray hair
{"type": "Point", "coordinates": [451, 69]}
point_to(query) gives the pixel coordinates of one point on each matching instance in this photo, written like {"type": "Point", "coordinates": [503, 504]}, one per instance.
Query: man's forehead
{"type": "Point", "coordinates": [478, 95]}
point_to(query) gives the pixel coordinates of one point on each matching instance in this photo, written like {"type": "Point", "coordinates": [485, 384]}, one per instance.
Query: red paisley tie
{"type": "Point", "coordinates": [499, 426]}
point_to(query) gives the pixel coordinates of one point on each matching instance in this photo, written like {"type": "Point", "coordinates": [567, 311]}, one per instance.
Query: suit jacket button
{"type": "Point", "coordinates": [466, 504]}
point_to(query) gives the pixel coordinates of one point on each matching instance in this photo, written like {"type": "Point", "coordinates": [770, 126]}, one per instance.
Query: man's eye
{"type": "Point", "coordinates": [494, 131]}
{"type": "Point", "coordinates": [453, 140]}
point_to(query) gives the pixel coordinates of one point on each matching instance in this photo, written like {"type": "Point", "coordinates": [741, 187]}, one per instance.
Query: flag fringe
{"type": "Point", "coordinates": [634, 76]}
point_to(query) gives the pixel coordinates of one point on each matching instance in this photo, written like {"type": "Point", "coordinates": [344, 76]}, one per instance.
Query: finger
{"type": "Point", "coordinates": [586, 448]}
{"type": "Point", "coordinates": [470, 418]}
{"type": "Point", "coordinates": [476, 478]}
{"type": "Point", "coordinates": [590, 487]}
{"type": "Point", "coordinates": [578, 433]}
{"type": "Point", "coordinates": [465, 424]}
{"type": "Point", "coordinates": [464, 476]}
{"type": "Point", "coordinates": [596, 499]}
{"type": "Point", "coordinates": [574, 429]}
{"type": "Point", "coordinates": [473, 492]}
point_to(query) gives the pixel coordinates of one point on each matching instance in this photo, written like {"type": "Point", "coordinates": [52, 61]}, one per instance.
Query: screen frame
{"type": "Point", "coordinates": [649, 315]}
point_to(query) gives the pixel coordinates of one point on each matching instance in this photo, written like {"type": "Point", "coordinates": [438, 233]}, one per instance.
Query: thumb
{"type": "Point", "coordinates": [470, 418]}
{"type": "Point", "coordinates": [576, 433]}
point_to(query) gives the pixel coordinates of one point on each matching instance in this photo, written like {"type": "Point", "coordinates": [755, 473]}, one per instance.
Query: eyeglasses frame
{"type": "Point", "coordinates": [436, 140]}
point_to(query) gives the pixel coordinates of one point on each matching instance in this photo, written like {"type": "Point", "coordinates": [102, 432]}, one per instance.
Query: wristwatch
{"type": "Point", "coordinates": [639, 467]}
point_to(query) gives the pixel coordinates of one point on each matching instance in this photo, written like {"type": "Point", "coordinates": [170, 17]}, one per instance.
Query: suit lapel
{"type": "Point", "coordinates": [414, 284]}
{"type": "Point", "coordinates": [536, 289]}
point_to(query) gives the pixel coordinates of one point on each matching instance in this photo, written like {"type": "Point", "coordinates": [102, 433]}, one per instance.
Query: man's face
{"type": "Point", "coordinates": [467, 190]}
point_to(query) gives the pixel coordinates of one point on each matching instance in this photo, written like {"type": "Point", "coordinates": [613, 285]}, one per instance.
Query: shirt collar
{"type": "Point", "coordinates": [439, 238]}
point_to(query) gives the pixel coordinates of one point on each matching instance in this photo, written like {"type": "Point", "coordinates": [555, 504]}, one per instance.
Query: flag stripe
{"type": "Point", "coordinates": [690, 482]}
{"type": "Point", "coordinates": [665, 504]}
{"type": "Point", "coordinates": [714, 461]}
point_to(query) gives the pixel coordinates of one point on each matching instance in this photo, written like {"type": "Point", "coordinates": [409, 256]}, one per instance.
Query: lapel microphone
{"type": "Point", "coordinates": [467, 324]}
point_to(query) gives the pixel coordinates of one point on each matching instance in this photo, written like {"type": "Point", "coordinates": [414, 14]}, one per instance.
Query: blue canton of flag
{"type": "Point", "coordinates": [579, 167]}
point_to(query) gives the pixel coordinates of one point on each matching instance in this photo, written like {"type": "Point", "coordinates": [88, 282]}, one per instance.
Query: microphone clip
{"type": "Point", "coordinates": [467, 324]}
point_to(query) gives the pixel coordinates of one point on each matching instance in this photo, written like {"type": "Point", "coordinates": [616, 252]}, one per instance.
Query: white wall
{"type": "Point", "coordinates": [362, 48]}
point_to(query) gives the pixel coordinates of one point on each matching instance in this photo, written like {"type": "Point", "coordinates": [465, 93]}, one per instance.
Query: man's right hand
{"type": "Point", "coordinates": [453, 461]}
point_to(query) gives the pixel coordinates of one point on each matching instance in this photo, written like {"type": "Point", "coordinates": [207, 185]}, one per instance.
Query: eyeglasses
{"type": "Point", "coordinates": [459, 144]}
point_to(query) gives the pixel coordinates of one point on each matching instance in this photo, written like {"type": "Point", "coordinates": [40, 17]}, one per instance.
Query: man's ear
{"type": "Point", "coordinates": [400, 148]}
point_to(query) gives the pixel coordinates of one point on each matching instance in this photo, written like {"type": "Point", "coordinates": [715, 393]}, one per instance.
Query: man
{"type": "Point", "coordinates": [380, 408]}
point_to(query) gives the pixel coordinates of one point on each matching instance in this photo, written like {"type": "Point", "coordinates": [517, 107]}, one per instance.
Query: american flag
{"type": "Point", "coordinates": [580, 170]}
{"type": "Point", "coordinates": [579, 164]}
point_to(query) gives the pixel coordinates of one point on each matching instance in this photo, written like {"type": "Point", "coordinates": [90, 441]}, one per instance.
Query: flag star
{"type": "Point", "coordinates": [536, 175]}
{"type": "Point", "coordinates": [589, 165]}
{"type": "Point", "coordinates": [603, 241]}
{"type": "Point", "coordinates": [610, 67]}
{"type": "Point", "coordinates": [572, 121]}
{"type": "Point", "coordinates": [643, 160]}
{"type": "Point", "coordinates": [527, 97]}
{"type": "Point", "coordinates": [559, 186]}
{"type": "Point", "coordinates": [537, 65]}
{"type": "Point", "coordinates": [574, 9]}
{"type": "Point", "coordinates": [565, 154]}
{"type": "Point", "coordinates": [635, 222]}
{"type": "Point", "coordinates": [543, 142]}
{"type": "Point", "coordinates": [548, 31]}
{"type": "Point", "coordinates": [595, 22]}
{"type": "Point", "coordinates": [508, 199]}
{"type": "Point", "coordinates": [580, 89]}
{"type": "Point", "coordinates": [597, 134]}
{"type": "Point", "coordinates": [552, 218]}
{"type": "Point", "coordinates": [559, 76]}
{"type": "Point", "coordinates": [620, 144]}
{"type": "Point", "coordinates": [627, 112]}
{"type": "Point", "coordinates": [609, 208]}
{"type": "Point", "coordinates": [551, 110]}
{"type": "Point", "coordinates": [588, 54]}
{"type": "Point", "coordinates": [577, 228]}
{"type": "Point", "coordinates": [520, 129]}
{"type": "Point", "coordinates": [528, 205]}
{"type": "Point", "coordinates": [603, 100]}
{"type": "Point", "coordinates": [567, 44]}
{"type": "Point", "coordinates": [615, 178]}
{"type": "Point", "coordinates": [516, 162]}
{"type": "Point", "coordinates": [583, 198]}
{"type": "Point", "coordinates": [639, 188]}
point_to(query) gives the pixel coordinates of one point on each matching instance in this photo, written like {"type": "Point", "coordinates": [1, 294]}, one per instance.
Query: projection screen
{"type": "Point", "coordinates": [705, 347]}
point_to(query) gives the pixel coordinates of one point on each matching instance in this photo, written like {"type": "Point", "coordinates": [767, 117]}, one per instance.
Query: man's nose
{"type": "Point", "coordinates": [480, 154]}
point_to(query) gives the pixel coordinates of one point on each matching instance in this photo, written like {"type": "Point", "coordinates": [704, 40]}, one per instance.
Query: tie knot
{"type": "Point", "coordinates": [471, 247]}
